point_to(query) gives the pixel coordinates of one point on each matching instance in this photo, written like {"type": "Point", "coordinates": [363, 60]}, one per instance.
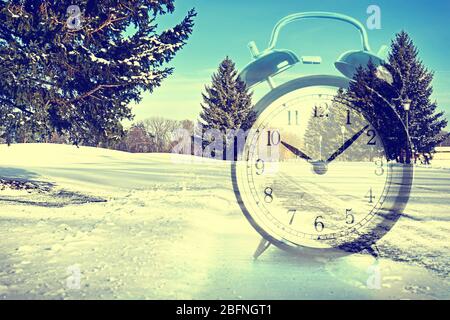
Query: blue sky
{"type": "Point", "coordinates": [225, 28]}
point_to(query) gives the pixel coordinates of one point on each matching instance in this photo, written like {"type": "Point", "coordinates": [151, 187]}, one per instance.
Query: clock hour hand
{"type": "Point", "coordinates": [295, 151]}
{"type": "Point", "coordinates": [347, 144]}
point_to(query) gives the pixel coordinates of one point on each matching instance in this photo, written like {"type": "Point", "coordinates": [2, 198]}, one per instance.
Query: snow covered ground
{"type": "Point", "coordinates": [108, 224]}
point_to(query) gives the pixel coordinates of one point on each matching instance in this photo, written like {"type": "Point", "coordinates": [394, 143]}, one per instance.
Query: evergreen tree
{"type": "Point", "coordinates": [407, 78]}
{"type": "Point", "coordinates": [227, 102]}
{"type": "Point", "coordinates": [77, 75]}
{"type": "Point", "coordinates": [322, 134]}
{"type": "Point", "coordinates": [372, 98]}
{"type": "Point", "coordinates": [425, 121]}
{"type": "Point", "coordinates": [331, 123]}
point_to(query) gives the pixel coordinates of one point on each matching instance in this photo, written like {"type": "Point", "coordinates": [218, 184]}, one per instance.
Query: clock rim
{"type": "Point", "coordinates": [361, 243]}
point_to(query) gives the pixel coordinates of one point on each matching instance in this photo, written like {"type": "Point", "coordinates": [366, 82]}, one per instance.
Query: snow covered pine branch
{"type": "Point", "coordinates": [80, 82]}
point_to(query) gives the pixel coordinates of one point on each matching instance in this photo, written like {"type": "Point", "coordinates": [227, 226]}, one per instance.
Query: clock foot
{"type": "Point", "coordinates": [373, 251]}
{"type": "Point", "coordinates": [263, 246]}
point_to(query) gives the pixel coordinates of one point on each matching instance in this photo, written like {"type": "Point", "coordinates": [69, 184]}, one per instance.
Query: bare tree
{"type": "Point", "coordinates": [160, 130]}
{"type": "Point", "coordinates": [187, 125]}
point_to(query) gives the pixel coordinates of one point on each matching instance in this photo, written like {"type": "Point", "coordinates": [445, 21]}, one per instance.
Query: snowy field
{"type": "Point", "coordinates": [95, 223]}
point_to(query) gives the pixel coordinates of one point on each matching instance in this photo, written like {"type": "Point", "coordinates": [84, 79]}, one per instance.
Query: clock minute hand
{"type": "Point", "coordinates": [347, 144]}
{"type": "Point", "coordinates": [295, 151]}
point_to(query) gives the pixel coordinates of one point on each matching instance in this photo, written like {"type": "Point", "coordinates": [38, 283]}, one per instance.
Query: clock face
{"type": "Point", "coordinates": [314, 172]}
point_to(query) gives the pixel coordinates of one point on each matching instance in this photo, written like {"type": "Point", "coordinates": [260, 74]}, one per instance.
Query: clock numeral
{"type": "Point", "coordinates": [290, 118]}
{"type": "Point", "coordinates": [268, 196]}
{"type": "Point", "coordinates": [349, 217]}
{"type": "Point", "coordinates": [318, 225]}
{"type": "Point", "coordinates": [372, 135]}
{"type": "Point", "coordinates": [259, 165]}
{"type": "Point", "coordinates": [293, 212]}
{"type": "Point", "coordinates": [370, 196]}
{"type": "Point", "coordinates": [273, 138]}
{"type": "Point", "coordinates": [321, 111]}
{"type": "Point", "coordinates": [349, 120]}
{"type": "Point", "coordinates": [379, 171]}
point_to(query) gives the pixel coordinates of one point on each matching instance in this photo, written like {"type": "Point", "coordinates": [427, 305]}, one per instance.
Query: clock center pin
{"type": "Point", "coordinates": [320, 167]}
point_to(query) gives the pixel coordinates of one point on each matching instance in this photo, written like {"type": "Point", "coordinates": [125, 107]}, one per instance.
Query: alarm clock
{"type": "Point", "coordinates": [314, 175]}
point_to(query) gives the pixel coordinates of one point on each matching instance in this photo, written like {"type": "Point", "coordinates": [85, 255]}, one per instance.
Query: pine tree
{"type": "Point", "coordinates": [335, 123]}
{"type": "Point", "coordinates": [227, 102]}
{"type": "Point", "coordinates": [77, 75]}
{"type": "Point", "coordinates": [323, 123]}
{"type": "Point", "coordinates": [410, 80]}
{"type": "Point", "coordinates": [371, 97]}
{"type": "Point", "coordinates": [425, 121]}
